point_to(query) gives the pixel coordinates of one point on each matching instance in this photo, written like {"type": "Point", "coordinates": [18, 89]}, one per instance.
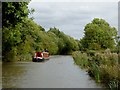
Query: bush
{"type": "Point", "coordinates": [80, 59]}
{"type": "Point", "coordinates": [103, 67]}
{"type": "Point", "coordinates": [91, 52]}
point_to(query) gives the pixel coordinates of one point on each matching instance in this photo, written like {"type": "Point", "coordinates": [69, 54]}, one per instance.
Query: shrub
{"type": "Point", "coordinates": [103, 67]}
{"type": "Point", "coordinates": [91, 52]}
{"type": "Point", "coordinates": [80, 59]}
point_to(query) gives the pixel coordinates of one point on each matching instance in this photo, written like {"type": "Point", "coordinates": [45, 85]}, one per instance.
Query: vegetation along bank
{"type": "Point", "coordinates": [21, 37]}
{"type": "Point", "coordinates": [99, 53]}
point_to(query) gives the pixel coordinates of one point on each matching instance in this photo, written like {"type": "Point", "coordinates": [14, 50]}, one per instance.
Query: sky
{"type": "Point", "coordinates": [71, 16]}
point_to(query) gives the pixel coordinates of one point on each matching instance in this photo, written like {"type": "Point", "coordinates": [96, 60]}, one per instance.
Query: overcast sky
{"type": "Point", "coordinates": [71, 17]}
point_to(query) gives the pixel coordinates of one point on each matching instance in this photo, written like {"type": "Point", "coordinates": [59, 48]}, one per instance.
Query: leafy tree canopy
{"type": "Point", "coordinates": [99, 34]}
{"type": "Point", "coordinates": [14, 12]}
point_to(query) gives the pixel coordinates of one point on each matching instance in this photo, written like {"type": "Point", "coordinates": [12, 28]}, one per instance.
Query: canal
{"type": "Point", "coordinates": [58, 72]}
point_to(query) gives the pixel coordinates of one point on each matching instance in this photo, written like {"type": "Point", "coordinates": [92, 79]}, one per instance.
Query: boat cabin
{"type": "Point", "coordinates": [39, 56]}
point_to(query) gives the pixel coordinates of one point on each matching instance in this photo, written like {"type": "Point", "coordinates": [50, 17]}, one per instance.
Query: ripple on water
{"type": "Point", "coordinates": [58, 72]}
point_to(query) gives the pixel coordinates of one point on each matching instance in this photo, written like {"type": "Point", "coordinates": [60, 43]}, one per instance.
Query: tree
{"type": "Point", "coordinates": [14, 12]}
{"type": "Point", "coordinates": [65, 43]}
{"type": "Point", "coordinates": [99, 34]}
{"type": "Point", "coordinates": [42, 29]}
{"type": "Point", "coordinates": [22, 36]}
{"type": "Point", "coordinates": [14, 15]}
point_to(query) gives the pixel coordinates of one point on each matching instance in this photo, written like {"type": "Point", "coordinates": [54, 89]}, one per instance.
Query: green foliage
{"type": "Point", "coordinates": [29, 37]}
{"type": "Point", "coordinates": [99, 34]}
{"type": "Point", "coordinates": [14, 12]}
{"type": "Point", "coordinates": [65, 43]}
{"type": "Point", "coordinates": [103, 67]}
{"type": "Point", "coordinates": [22, 36]}
{"type": "Point", "coordinates": [80, 59]}
{"type": "Point", "coordinates": [113, 85]}
{"type": "Point", "coordinates": [11, 38]}
{"type": "Point", "coordinates": [91, 52]}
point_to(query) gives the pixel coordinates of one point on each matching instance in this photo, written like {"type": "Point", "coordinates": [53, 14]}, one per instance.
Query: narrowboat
{"type": "Point", "coordinates": [39, 56]}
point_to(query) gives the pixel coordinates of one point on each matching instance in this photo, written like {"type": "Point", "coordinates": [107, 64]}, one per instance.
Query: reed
{"type": "Point", "coordinates": [103, 67]}
{"type": "Point", "coordinates": [80, 59]}
{"type": "Point", "coordinates": [113, 85]}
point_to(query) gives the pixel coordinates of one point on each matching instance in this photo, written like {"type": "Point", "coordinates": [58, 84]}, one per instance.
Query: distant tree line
{"type": "Point", "coordinates": [21, 36]}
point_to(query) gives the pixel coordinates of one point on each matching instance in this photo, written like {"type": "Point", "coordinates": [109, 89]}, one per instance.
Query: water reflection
{"type": "Point", "coordinates": [12, 74]}
{"type": "Point", "coordinates": [58, 72]}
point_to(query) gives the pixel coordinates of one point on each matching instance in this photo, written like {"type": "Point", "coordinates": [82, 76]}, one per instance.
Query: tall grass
{"type": "Point", "coordinates": [103, 67]}
{"type": "Point", "coordinates": [80, 59]}
{"type": "Point", "coordinates": [113, 85]}
{"type": "Point", "coordinates": [96, 71]}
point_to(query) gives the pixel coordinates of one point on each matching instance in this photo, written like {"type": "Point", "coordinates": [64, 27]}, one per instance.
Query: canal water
{"type": "Point", "coordinates": [58, 72]}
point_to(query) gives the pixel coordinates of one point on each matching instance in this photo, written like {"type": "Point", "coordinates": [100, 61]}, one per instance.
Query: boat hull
{"type": "Point", "coordinates": [37, 60]}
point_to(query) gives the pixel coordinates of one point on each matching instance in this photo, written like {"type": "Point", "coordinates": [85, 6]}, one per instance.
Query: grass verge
{"type": "Point", "coordinates": [103, 67]}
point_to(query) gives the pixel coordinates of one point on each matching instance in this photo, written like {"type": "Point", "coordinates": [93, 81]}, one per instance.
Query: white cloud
{"type": "Point", "coordinates": [75, 0]}
{"type": "Point", "coordinates": [71, 17]}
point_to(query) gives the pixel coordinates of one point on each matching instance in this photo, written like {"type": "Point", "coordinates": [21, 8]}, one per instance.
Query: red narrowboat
{"type": "Point", "coordinates": [39, 56]}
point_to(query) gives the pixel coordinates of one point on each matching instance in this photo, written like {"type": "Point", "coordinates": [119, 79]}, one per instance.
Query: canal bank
{"type": "Point", "coordinates": [103, 67]}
